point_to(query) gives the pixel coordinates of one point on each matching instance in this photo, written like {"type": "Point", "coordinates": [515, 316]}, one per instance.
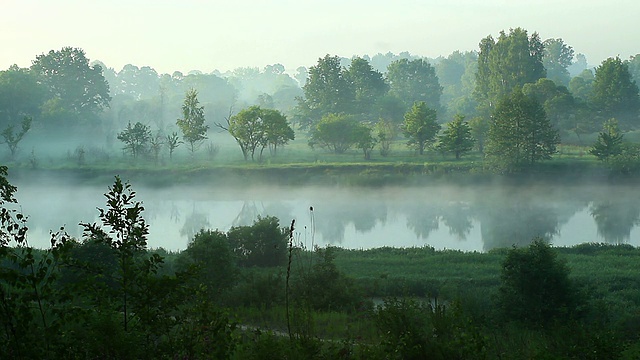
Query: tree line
{"type": "Point", "coordinates": [372, 101]}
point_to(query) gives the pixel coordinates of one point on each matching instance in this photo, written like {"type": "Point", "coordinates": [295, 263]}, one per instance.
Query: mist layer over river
{"type": "Point", "coordinates": [469, 218]}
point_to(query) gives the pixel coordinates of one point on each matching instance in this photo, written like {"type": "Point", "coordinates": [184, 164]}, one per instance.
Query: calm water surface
{"type": "Point", "coordinates": [469, 218]}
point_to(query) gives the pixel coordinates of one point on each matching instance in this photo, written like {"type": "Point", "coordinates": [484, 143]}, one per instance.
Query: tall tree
{"type": "Point", "coordinates": [520, 134]}
{"type": "Point", "coordinates": [615, 94]}
{"type": "Point", "coordinates": [420, 126]}
{"type": "Point", "coordinates": [135, 138]}
{"type": "Point", "coordinates": [327, 90]}
{"type": "Point", "coordinates": [20, 95]}
{"type": "Point", "coordinates": [557, 58]}
{"type": "Point", "coordinates": [368, 85]}
{"type": "Point", "coordinates": [67, 75]}
{"type": "Point", "coordinates": [414, 81]}
{"type": "Point", "coordinates": [194, 130]}
{"type": "Point", "coordinates": [456, 137]}
{"type": "Point", "coordinates": [512, 61]}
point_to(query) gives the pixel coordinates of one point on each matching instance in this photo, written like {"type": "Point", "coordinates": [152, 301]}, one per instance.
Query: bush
{"type": "Point", "coordinates": [536, 288]}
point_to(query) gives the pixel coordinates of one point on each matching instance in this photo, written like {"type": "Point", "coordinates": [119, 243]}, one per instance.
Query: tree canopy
{"type": "Point", "coordinates": [67, 76]}
{"type": "Point", "coordinates": [192, 124]}
{"type": "Point", "coordinates": [520, 134]}
{"type": "Point", "coordinates": [510, 62]}
{"type": "Point", "coordinates": [420, 126]}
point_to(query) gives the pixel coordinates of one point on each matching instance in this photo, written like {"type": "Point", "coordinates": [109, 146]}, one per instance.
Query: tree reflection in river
{"type": "Point", "coordinates": [616, 217]}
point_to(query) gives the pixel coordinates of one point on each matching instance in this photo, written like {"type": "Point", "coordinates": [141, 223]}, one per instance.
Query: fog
{"type": "Point", "coordinates": [470, 218]}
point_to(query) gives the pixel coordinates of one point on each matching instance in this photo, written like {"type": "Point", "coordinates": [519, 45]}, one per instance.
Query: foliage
{"type": "Point", "coordinates": [615, 93]}
{"type": "Point", "coordinates": [506, 64]}
{"type": "Point", "coordinates": [414, 81]}
{"type": "Point", "coordinates": [609, 141]}
{"type": "Point", "coordinates": [557, 57]}
{"type": "Point", "coordinates": [520, 134]}
{"type": "Point", "coordinates": [20, 95]}
{"type": "Point", "coordinates": [327, 90]}
{"type": "Point", "coordinates": [210, 252]}
{"type": "Point", "coordinates": [192, 124]}
{"type": "Point", "coordinates": [127, 237]}
{"type": "Point", "coordinates": [262, 244]}
{"type": "Point", "coordinates": [67, 76]}
{"type": "Point", "coordinates": [411, 329]}
{"type": "Point", "coordinates": [324, 287]}
{"type": "Point", "coordinates": [456, 138]}
{"type": "Point", "coordinates": [338, 133]}
{"type": "Point", "coordinates": [136, 138]}
{"type": "Point", "coordinates": [368, 86]}
{"type": "Point", "coordinates": [255, 128]}
{"type": "Point", "coordinates": [535, 286]}
{"type": "Point", "coordinates": [420, 126]}
{"type": "Point", "coordinates": [31, 305]}
{"type": "Point", "coordinates": [13, 139]}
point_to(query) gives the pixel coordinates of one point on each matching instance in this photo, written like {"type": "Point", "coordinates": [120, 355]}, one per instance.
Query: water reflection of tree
{"type": "Point", "coordinates": [247, 215]}
{"type": "Point", "coordinates": [615, 218]}
{"type": "Point", "coordinates": [458, 217]}
{"type": "Point", "coordinates": [331, 219]}
{"type": "Point", "coordinates": [193, 223]}
{"type": "Point", "coordinates": [423, 219]}
{"type": "Point", "coordinates": [513, 219]}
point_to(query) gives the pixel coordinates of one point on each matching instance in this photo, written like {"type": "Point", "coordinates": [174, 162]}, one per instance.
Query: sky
{"type": "Point", "coordinates": [186, 35]}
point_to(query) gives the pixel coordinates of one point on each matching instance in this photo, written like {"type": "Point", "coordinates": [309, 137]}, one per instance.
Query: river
{"type": "Point", "coordinates": [468, 218]}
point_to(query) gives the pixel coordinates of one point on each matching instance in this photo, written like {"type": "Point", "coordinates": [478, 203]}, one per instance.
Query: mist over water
{"type": "Point", "coordinates": [469, 218]}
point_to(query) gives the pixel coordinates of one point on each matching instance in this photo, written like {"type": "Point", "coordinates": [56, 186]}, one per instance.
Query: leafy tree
{"type": "Point", "coordinates": [414, 81]}
{"type": "Point", "coordinates": [615, 94]}
{"type": "Point", "coordinates": [30, 300]}
{"type": "Point", "coordinates": [20, 95]}
{"type": "Point", "coordinates": [136, 138]}
{"type": "Point", "coordinates": [338, 133]}
{"type": "Point", "coordinates": [12, 139]}
{"type": "Point", "coordinates": [67, 76]}
{"type": "Point", "coordinates": [557, 58]}
{"type": "Point", "coordinates": [456, 137]}
{"type": "Point", "coordinates": [581, 86]}
{"type": "Point", "coordinates": [368, 85]}
{"type": "Point", "coordinates": [327, 90]}
{"type": "Point", "coordinates": [262, 244]}
{"type": "Point", "coordinates": [255, 128]}
{"type": "Point", "coordinates": [634, 67]}
{"type": "Point", "coordinates": [609, 142]}
{"type": "Point", "coordinates": [194, 130]}
{"type": "Point", "coordinates": [384, 134]}
{"type": "Point", "coordinates": [535, 286]}
{"type": "Point", "coordinates": [420, 126]}
{"type": "Point", "coordinates": [213, 257]}
{"type": "Point", "coordinates": [366, 142]}
{"type": "Point", "coordinates": [127, 238]}
{"type": "Point", "coordinates": [277, 129]}
{"type": "Point", "coordinates": [520, 134]}
{"type": "Point", "coordinates": [557, 101]}
{"type": "Point", "coordinates": [504, 65]}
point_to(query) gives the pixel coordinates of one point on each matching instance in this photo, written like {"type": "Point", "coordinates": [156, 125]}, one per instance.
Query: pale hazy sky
{"type": "Point", "coordinates": [205, 35]}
